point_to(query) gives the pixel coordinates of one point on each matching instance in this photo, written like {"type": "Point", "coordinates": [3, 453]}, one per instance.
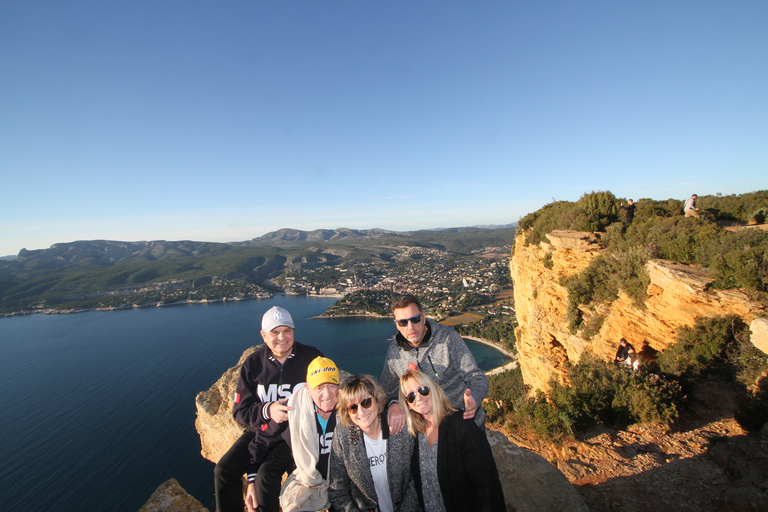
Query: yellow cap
{"type": "Point", "coordinates": [321, 371]}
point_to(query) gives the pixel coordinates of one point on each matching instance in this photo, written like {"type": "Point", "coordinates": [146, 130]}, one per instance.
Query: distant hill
{"type": "Point", "coordinates": [292, 237]}
{"type": "Point", "coordinates": [107, 273]}
{"type": "Point", "coordinates": [452, 239]}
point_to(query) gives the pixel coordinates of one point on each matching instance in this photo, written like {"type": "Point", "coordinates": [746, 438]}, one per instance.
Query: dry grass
{"type": "Point", "coordinates": [464, 318]}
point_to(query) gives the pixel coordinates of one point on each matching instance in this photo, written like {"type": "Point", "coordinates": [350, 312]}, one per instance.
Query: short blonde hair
{"type": "Point", "coordinates": [355, 388]}
{"type": "Point", "coordinates": [441, 406]}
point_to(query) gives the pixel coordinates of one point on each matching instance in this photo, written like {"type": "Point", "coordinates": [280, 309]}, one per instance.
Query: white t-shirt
{"type": "Point", "coordinates": [377, 460]}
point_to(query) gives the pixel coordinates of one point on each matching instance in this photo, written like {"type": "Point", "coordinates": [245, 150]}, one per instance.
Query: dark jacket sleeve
{"type": "Point", "coordinates": [467, 473]}
{"type": "Point", "coordinates": [249, 408]}
{"type": "Point", "coordinates": [339, 482]}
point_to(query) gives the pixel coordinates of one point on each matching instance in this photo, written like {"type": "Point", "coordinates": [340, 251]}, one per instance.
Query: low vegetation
{"type": "Point", "coordinates": [599, 392]}
{"type": "Point", "coordinates": [736, 259]}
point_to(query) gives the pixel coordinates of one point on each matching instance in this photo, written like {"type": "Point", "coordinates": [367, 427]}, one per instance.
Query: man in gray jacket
{"type": "Point", "coordinates": [438, 351]}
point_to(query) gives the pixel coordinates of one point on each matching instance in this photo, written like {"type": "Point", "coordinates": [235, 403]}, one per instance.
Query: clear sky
{"type": "Point", "coordinates": [222, 121]}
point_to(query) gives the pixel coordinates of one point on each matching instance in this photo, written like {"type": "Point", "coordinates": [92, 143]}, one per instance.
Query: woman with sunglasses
{"type": "Point", "coordinates": [453, 465]}
{"type": "Point", "coordinates": [370, 467]}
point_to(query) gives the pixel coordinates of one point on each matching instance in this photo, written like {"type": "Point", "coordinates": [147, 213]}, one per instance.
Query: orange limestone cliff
{"type": "Point", "coordinates": [678, 294]}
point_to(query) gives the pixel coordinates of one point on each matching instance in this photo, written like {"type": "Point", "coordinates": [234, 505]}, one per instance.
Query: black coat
{"type": "Point", "coordinates": [629, 213]}
{"type": "Point", "coordinates": [466, 471]}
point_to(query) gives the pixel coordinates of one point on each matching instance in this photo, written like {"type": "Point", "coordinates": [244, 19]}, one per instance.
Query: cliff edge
{"type": "Point", "coordinates": [678, 294]}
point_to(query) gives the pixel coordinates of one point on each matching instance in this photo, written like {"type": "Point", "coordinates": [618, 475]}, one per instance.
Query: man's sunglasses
{"type": "Point", "coordinates": [365, 404]}
{"type": "Point", "coordinates": [415, 320]}
{"type": "Point", "coordinates": [411, 397]}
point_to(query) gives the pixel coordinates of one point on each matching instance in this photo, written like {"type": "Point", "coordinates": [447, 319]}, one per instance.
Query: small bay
{"type": "Point", "coordinates": [97, 409]}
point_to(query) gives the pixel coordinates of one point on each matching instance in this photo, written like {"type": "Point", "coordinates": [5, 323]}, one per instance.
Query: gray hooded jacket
{"type": "Point", "coordinates": [444, 356]}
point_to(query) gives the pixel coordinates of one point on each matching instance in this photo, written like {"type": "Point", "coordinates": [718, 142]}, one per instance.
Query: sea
{"type": "Point", "coordinates": [97, 409]}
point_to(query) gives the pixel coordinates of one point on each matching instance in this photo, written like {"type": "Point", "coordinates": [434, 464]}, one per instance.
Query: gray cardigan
{"type": "Point", "coordinates": [350, 482]}
{"type": "Point", "coordinates": [445, 357]}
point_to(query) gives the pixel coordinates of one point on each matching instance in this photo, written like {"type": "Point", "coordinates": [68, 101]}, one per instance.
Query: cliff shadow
{"type": "Point", "coordinates": [713, 398]}
{"type": "Point", "coordinates": [730, 476]}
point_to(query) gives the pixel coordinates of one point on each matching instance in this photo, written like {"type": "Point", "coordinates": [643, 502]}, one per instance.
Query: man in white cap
{"type": "Point", "coordinates": [268, 377]}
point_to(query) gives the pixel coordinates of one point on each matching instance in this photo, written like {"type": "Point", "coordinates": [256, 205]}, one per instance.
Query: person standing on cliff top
{"type": "Point", "coordinates": [629, 211]}
{"type": "Point", "coordinates": [268, 378]}
{"type": "Point", "coordinates": [690, 208]}
{"type": "Point", "coordinates": [437, 350]}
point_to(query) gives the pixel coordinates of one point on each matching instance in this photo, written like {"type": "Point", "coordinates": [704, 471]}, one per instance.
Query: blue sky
{"type": "Point", "coordinates": [222, 121]}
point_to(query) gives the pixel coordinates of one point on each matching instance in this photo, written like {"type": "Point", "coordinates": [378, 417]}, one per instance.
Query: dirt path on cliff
{"type": "Point", "coordinates": [706, 462]}
{"type": "Point", "coordinates": [730, 225]}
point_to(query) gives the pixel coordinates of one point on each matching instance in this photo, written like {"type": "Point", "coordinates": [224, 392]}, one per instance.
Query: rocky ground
{"type": "Point", "coordinates": [705, 462]}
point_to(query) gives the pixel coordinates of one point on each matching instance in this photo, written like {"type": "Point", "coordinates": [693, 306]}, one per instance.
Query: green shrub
{"type": "Point", "coordinates": [600, 392]}
{"type": "Point", "coordinates": [597, 393]}
{"type": "Point", "coordinates": [541, 418]}
{"type": "Point", "coordinates": [547, 261]}
{"type": "Point", "coordinates": [712, 344]}
{"type": "Point", "coordinates": [593, 326]}
{"type": "Point", "coordinates": [651, 398]}
{"type": "Point", "coordinates": [601, 209]}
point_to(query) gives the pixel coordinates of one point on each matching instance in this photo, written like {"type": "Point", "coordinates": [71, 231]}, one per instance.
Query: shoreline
{"type": "Point", "coordinates": [71, 311]}
{"type": "Point", "coordinates": [509, 366]}
{"type": "Point", "coordinates": [356, 315]}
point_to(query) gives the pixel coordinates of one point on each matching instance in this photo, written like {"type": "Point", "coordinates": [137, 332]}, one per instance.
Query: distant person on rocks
{"type": "Point", "coordinates": [311, 423]}
{"type": "Point", "coordinates": [622, 354]}
{"type": "Point", "coordinates": [438, 351]}
{"type": "Point", "coordinates": [452, 465]}
{"type": "Point", "coordinates": [690, 208]}
{"type": "Point", "coordinates": [629, 211]}
{"type": "Point", "coordinates": [268, 378]}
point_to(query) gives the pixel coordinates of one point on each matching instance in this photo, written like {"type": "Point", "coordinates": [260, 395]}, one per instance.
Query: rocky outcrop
{"type": "Point", "coordinates": [678, 294]}
{"type": "Point", "coordinates": [759, 333]}
{"type": "Point", "coordinates": [171, 497]}
{"type": "Point", "coordinates": [217, 428]}
{"type": "Point", "coordinates": [530, 482]}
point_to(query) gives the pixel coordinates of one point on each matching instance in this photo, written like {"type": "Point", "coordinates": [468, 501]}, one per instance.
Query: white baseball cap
{"type": "Point", "coordinates": [275, 317]}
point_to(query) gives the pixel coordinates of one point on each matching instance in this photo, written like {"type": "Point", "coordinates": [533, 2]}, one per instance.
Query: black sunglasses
{"type": "Point", "coordinates": [411, 397]}
{"type": "Point", "coordinates": [365, 404]}
{"type": "Point", "coordinates": [414, 320]}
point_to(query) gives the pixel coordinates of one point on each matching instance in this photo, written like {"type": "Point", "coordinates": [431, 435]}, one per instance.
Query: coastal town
{"type": "Point", "coordinates": [447, 283]}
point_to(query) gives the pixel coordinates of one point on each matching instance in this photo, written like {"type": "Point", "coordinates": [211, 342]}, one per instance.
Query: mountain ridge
{"type": "Point", "coordinates": [88, 274]}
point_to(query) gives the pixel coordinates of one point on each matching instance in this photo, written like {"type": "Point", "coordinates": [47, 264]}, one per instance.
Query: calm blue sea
{"type": "Point", "coordinates": [97, 409]}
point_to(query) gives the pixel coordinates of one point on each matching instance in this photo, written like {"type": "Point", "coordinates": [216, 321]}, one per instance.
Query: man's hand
{"type": "Point", "coordinates": [470, 405]}
{"type": "Point", "coordinates": [395, 418]}
{"type": "Point", "coordinates": [278, 411]}
{"type": "Point", "coordinates": [250, 498]}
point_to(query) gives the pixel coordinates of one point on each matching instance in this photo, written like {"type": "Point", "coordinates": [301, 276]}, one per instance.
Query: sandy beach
{"type": "Point", "coordinates": [509, 366]}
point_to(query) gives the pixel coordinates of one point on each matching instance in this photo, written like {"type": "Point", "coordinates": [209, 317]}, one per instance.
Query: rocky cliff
{"type": "Point", "coordinates": [677, 295]}
{"type": "Point", "coordinates": [530, 482]}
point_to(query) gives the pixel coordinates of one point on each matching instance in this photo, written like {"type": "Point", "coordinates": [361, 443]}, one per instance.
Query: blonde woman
{"type": "Point", "coordinates": [453, 466]}
{"type": "Point", "coordinates": [370, 467]}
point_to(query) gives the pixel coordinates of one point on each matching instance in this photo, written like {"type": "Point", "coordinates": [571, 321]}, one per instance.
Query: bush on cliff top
{"type": "Point", "coordinates": [594, 211]}
{"type": "Point", "coordinates": [714, 344]}
{"type": "Point", "coordinates": [659, 230]}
